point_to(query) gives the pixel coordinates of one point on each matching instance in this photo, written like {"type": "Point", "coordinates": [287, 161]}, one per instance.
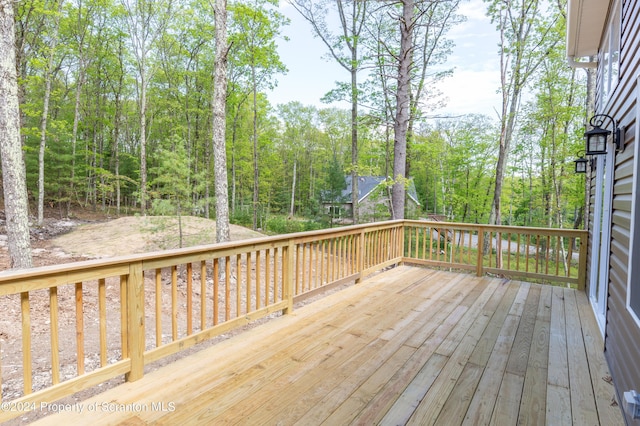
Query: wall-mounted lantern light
{"type": "Point", "coordinates": [596, 138]}
{"type": "Point", "coordinates": [581, 164]}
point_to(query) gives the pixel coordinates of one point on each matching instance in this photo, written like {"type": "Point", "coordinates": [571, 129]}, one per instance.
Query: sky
{"type": "Point", "coordinates": [472, 88]}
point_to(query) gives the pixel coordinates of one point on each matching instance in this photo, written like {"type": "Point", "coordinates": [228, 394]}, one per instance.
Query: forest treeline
{"type": "Point", "coordinates": [115, 102]}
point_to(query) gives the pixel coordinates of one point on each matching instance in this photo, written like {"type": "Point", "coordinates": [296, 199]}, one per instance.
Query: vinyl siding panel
{"type": "Point", "coordinates": [622, 340]}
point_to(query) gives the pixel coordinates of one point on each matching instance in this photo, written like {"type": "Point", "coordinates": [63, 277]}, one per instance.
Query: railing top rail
{"type": "Point", "coordinates": [503, 228]}
{"type": "Point", "coordinates": [214, 250]}
{"type": "Point", "coordinates": [211, 250]}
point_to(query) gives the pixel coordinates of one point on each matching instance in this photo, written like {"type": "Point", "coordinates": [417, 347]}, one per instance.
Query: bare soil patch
{"type": "Point", "coordinates": [130, 235]}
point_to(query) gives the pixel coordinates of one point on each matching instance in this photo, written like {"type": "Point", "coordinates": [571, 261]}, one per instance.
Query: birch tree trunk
{"type": "Point", "coordinates": [219, 122]}
{"type": "Point", "coordinates": [147, 21]}
{"type": "Point", "coordinates": [256, 186]}
{"type": "Point", "coordinates": [293, 190]}
{"type": "Point", "coordinates": [401, 122]}
{"type": "Point", "coordinates": [45, 114]}
{"type": "Point", "coordinates": [13, 169]}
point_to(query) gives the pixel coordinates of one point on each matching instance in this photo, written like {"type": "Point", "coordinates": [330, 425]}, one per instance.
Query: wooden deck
{"type": "Point", "coordinates": [408, 346]}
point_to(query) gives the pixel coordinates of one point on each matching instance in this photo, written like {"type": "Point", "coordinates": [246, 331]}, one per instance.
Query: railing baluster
{"type": "Point", "coordinates": [238, 285]}
{"type": "Point", "coordinates": [304, 269]}
{"type": "Point", "coordinates": [216, 284]}
{"type": "Point", "coordinates": [571, 243]}
{"type": "Point", "coordinates": [248, 283]}
{"type": "Point", "coordinates": [527, 253]}
{"type": "Point", "coordinates": [258, 283]}
{"type": "Point", "coordinates": [158, 307]}
{"type": "Point", "coordinates": [518, 253]}
{"type": "Point", "coordinates": [508, 250]}
{"type": "Point", "coordinates": [189, 298]}
{"type": "Point", "coordinates": [124, 334]}
{"type": "Point", "coordinates": [79, 329]}
{"type": "Point", "coordinates": [296, 269]}
{"type": "Point", "coordinates": [548, 254]}
{"type": "Point", "coordinates": [227, 288]}
{"type": "Point", "coordinates": [203, 294]}
{"type": "Point", "coordinates": [490, 244]}
{"type": "Point", "coordinates": [102, 308]}
{"type": "Point", "coordinates": [470, 244]}
{"type": "Point", "coordinates": [26, 342]}
{"type": "Point", "coordinates": [317, 280]}
{"type": "Point", "coordinates": [559, 249]}
{"type": "Point", "coordinates": [174, 303]}
{"type": "Point", "coordinates": [537, 252]}
{"type": "Point", "coordinates": [55, 347]}
{"type": "Point", "coordinates": [332, 260]}
{"type": "Point", "coordinates": [267, 276]}
{"type": "Point", "coordinates": [341, 256]}
{"type": "Point", "coordinates": [347, 255]}
{"type": "Point", "coordinates": [360, 253]}
{"type": "Point", "coordinates": [276, 262]}
{"type": "Point", "coordinates": [322, 262]}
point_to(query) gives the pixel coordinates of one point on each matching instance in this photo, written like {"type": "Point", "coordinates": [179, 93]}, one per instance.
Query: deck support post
{"type": "Point", "coordinates": [480, 248]}
{"type": "Point", "coordinates": [135, 321]}
{"type": "Point", "coordinates": [287, 276]}
{"type": "Point", "coordinates": [582, 266]}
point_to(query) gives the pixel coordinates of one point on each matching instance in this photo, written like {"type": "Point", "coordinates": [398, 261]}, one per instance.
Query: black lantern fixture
{"type": "Point", "coordinates": [581, 164]}
{"type": "Point", "coordinates": [596, 138]}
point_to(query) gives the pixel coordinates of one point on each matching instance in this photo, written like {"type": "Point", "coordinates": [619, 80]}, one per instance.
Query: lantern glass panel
{"type": "Point", "coordinates": [597, 143]}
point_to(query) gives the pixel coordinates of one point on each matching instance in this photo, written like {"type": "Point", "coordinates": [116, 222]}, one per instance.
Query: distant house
{"type": "Point", "coordinates": [373, 200]}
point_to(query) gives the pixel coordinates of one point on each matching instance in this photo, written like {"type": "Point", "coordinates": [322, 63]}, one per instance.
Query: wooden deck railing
{"type": "Point", "coordinates": [533, 254]}
{"type": "Point", "coordinates": [85, 323]}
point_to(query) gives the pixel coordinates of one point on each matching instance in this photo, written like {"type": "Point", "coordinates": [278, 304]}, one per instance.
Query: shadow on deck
{"type": "Point", "coordinates": [407, 346]}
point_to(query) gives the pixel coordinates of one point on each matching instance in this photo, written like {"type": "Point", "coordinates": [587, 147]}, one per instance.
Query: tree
{"type": "Point", "coordinates": [49, 75]}
{"type": "Point", "coordinates": [257, 25]}
{"type": "Point", "coordinates": [219, 122]}
{"type": "Point", "coordinates": [297, 135]}
{"type": "Point", "coordinates": [403, 104]}
{"type": "Point", "coordinates": [404, 58]}
{"type": "Point", "coordinates": [525, 39]}
{"type": "Point", "coordinates": [172, 181]}
{"type": "Point", "coordinates": [344, 48]}
{"type": "Point", "coordinates": [146, 20]}
{"type": "Point", "coordinates": [13, 169]}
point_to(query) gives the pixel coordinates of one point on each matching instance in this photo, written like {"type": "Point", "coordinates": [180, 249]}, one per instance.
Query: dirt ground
{"type": "Point", "coordinates": [82, 238]}
{"type": "Point", "coordinates": [70, 240]}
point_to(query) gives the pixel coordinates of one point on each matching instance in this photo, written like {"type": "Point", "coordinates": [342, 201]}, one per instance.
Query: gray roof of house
{"type": "Point", "coordinates": [366, 185]}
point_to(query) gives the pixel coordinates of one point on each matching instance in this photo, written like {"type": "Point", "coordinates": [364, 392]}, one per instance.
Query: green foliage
{"type": "Point", "coordinates": [302, 152]}
{"type": "Point", "coordinates": [242, 217]}
{"type": "Point", "coordinates": [172, 178]}
{"type": "Point", "coordinates": [284, 225]}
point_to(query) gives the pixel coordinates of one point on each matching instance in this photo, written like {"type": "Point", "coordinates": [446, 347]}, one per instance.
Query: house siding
{"type": "Point", "coordinates": [622, 338]}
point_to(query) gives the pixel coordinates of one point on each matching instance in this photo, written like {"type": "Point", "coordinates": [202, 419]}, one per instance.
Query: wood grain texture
{"type": "Point", "coordinates": [409, 345]}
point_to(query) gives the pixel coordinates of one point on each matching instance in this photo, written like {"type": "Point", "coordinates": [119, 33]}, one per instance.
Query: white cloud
{"type": "Point", "coordinates": [471, 92]}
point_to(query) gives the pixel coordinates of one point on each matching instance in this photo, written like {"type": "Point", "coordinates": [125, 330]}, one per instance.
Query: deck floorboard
{"type": "Point", "coordinates": [407, 346]}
